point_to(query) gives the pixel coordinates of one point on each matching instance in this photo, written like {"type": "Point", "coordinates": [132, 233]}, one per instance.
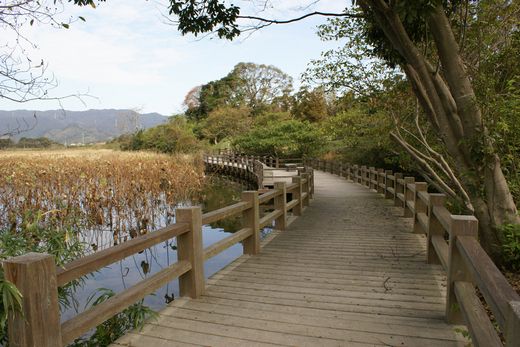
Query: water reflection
{"type": "Point", "coordinates": [217, 193]}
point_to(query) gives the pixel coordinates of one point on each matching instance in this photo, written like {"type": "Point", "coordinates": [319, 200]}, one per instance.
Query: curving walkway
{"type": "Point", "coordinates": [346, 273]}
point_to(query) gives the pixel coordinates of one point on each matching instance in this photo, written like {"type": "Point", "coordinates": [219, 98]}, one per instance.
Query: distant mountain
{"type": "Point", "coordinates": [70, 127]}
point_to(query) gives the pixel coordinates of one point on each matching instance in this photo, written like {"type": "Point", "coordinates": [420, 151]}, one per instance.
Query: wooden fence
{"type": "Point", "coordinates": [452, 242]}
{"type": "Point", "coordinates": [38, 278]}
{"type": "Point", "coordinates": [247, 168]}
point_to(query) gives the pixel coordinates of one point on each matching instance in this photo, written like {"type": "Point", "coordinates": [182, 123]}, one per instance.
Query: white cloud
{"type": "Point", "coordinates": [125, 54]}
{"type": "Point", "coordinates": [113, 47]}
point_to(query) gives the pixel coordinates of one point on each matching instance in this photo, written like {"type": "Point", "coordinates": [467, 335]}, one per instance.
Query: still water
{"type": "Point", "coordinates": [217, 193]}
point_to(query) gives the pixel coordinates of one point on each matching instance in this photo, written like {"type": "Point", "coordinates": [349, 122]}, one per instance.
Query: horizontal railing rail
{"type": "Point", "coordinates": [452, 242]}
{"type": "Point", "coordinates": [38, 278]}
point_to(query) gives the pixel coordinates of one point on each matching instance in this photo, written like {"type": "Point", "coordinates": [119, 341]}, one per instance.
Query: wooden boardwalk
{"type": "Point", "coordinates": [346, 273]}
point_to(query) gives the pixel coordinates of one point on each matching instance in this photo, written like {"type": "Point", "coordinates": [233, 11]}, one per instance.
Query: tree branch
{"type": "Point", "coordinates": [316, 13]}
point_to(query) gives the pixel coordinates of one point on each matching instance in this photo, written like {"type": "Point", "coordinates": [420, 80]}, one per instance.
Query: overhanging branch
{"type": "Point", "coordinates": [316, 13]}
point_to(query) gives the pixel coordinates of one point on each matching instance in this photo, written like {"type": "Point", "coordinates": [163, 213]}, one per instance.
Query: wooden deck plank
{"type": "Point", "coordinates": [316, 277]}
{"type": "Point", "coordinates": [351, 323]}
{"type": "Point", "coordinates": [311, 332]}
{"type": "Point", "coordinates": [349, 272]}
{"type": "Point", "coordinates": [386, 293]}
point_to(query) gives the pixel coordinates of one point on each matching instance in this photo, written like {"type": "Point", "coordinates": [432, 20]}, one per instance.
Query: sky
{"type": "Point", "coordinates": [126, 56]}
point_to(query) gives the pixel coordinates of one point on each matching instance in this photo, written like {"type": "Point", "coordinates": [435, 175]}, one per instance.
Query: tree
{"type": "Point", "coordinates": [286, 139]}
{"type": "Point", "coordinates": [258, 87]}
{"type": "Point", "coordinates": [438, 76]}
{"type": "Point", "coordinates": [311, 105]}
{"type": "Point", "coordinates": [176, 136]}
{"type": "Point", "coordinates": [5, 143]}
{"type": "Point", "coordinates": [192, 99]}
{"type": "Point", "coordinates": [226, 122]}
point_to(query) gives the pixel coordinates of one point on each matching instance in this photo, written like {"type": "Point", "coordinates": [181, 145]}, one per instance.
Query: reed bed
{"type": "Point", "coordinates": [107, 196]}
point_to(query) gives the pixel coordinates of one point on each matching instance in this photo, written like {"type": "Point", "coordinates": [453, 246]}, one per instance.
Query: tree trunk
{"type": "Point", "coordinates": [450, 105]}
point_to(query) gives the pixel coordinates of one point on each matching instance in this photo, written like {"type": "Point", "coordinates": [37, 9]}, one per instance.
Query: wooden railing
{"type": "Point", "coordinates": [269, 160]}
{"type": "Point", "coordinates": [245, 167]}
{"type": "Point", "coordinates": [452, 242]}
{"type": "Point", "coordinates": [38, 278]}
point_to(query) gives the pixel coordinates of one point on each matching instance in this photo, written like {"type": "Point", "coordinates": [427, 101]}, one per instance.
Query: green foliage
{"type": "Point", "coordinates": [198, 17]}
{"type": "Point", "coordinates": [267, 118]}
{"type": "Point", "coordinates": [37, 232]}
{"type": "Point", "coordinates": [6, 143]}
{"type": "Point", "coordinates": [110, 330]}
{"type": "Point", "coordinates": [361, 137]}
{"type": "Point", "coordinates": [511, 246]}
{"type": "Point", "coordinates": [40, 142]}
{"type": "Point", "coordinates": [10, 302]}
{"type": "Point", "coordinates": [311, 105]}
{"type": "Point", "coordinates": [290, 138]}
{"type": "Point", "coordinates": [213, 95]}
{"type": "Point", "coordinates": [353, 67]}
{"type": "Point", "coordinates": [225, 122]}
{"type": "Point", "coordinates": [497, 82]}
{"type": "Point", "coordinates": [51, 232]}
{"type": "Point", "coordinates": [174, 137]}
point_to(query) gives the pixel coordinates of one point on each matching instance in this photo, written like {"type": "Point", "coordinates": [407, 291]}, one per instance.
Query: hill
{"type": "Point", "coordinates": [70, 127]}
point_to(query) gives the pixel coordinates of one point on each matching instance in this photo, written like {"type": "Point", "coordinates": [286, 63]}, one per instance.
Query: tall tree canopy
{"type": "Point", "coordinates": [423, 38]}
{"type": "Point", "coordinates": [255, 86]}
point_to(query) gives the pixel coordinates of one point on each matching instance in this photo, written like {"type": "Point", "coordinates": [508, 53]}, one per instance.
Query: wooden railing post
{"type": "Point", "coordinates": [189, 248]}
{"type": "Point", "coordinates": [408, 196]}
{"type": "Point", "coordinates": [297, 194]}
{"type": "Point", "coordinates": [277, 163]}
{"type": "Point", "coordinates": [512, 333]}
{"type": "Point", "coordinates": [457, 269]}
{"type": "Point", "coordinates": [251, 219]}
{"type": "Point", "coordinates": [305, 188]}
{"type": "Point", "coordinates": [356, 174]}
{"type": "Point", "coordinates": [420, 206]}
{"type": "Point", "coordinates": [398, 189]}
{"type": "Point", "coordinates": [311, 177]}
{"type": "Point", "coordinates": [434, 227]}
{"type": "Point", "coordinates": [380, 180]}
{"type": "Point", "coordinates": [280, 203]}
{"type": "Point", "coordinates": [388, 184]}
{"type": "Point", "coordinates": [34, 274]}
{"type": "Point", "coordinates": [370, 185]}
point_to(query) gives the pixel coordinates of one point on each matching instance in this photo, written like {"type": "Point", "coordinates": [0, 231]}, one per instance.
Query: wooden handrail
{"type": "Point", "coordinates": [269, 196]}
{"type": "Point", "coordinates": [494, 287]}
{"type": "Point", "coordinates": [269, 218]}
{"type": "Point", "coordinates": [225, 212]}
{"type": "Point", "coordinates": [227, 242]}
{"type": "Point", "coordinates": [465, 261]}
{"type": "Point", "coordinates": [83, 266]}
{"type": "Point", "coordinates": [443, 216]}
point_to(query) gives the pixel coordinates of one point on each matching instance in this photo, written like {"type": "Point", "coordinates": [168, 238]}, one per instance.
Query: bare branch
{"type": "Point", "coordinates": [287, 21]}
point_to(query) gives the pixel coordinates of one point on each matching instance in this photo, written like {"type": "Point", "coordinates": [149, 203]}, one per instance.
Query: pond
{"type": "Point", "coordinates": [218, 192]}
